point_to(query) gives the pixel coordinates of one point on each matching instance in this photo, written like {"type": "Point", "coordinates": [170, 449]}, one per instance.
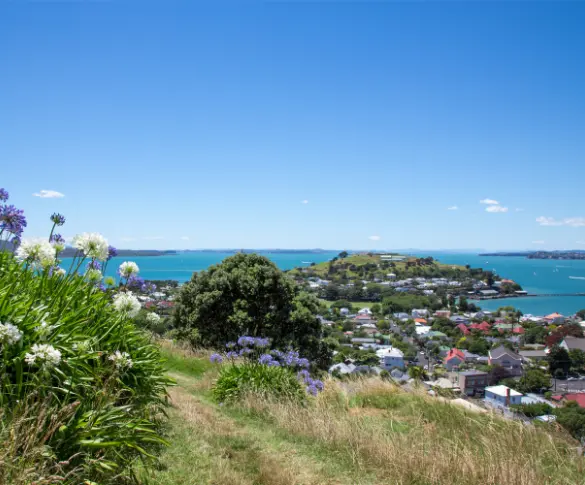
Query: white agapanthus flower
{"type": "Point", "coordinates": [153, 318]}
{"type": "Point", "coordinates": [128, 269]}
{"type": "Point", "coordinates": [9, 334]}
{"type": "Point", "coordinates": [38, 252]}
{"type": "Point", "coordinates": [127, 303]}
{"type": "Point", "coordinates": [92, 245]}
{"type": "Point", "coordinates": [44, 355]}
{"type": "Point", "coordinates": [60, 271]}
{"type": "Point", "coordinates": [44, 328]}
{"type": "Point", "coordinates": [121, 360]}
{"type": "Point", "coordinates": [93, 275]}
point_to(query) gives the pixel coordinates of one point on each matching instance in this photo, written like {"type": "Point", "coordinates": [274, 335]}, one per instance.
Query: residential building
{"type": "Point", "coordinates": [484, 327]}
{"type": "Point", "coordinates": [502, 396]}
{"type": "Point", "coordinates": [342, 368]}
{"type": "Point", "coordinates": [573, 343]}
{"type": "Point", "coordinates": [420, 313]}
{"type": "Point", "coordinates": [365, 311]}
{"type": "Point", "coordinates": [443, 313]}
{"type": "Point", "coordinates": [391, 358]}
{"type": "Point", "coordinates": [454, 358]}
{"type": "Point", "coordinates": [344, 311]}
{"type": "Point", "coordinates": [579, 398]}
{"type": "Point", "coordinates": [555, 318]}
{"type": "Point", "coordinates": [507, 359]}
{"type": "Point", "coordinates": [464, 329]}
{"type": "Point", "coordinates": [488, 293]}
{"type": "Point", "coordinates": [532, 355]}
{"type": "Point", "coordinates": [473, 382]}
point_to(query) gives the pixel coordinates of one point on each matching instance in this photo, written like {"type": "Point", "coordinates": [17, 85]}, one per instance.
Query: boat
{"type": "Point", "coordinates": [307, 262]}
{"type": "Point", "coordinates": [577, 277]}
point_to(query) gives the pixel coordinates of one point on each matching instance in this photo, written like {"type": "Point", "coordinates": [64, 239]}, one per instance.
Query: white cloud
{"type": "Point", "coordinates": [152, 238]}
{"type": "Point", "coordinates": [453, 208]}
{"type": "Point", "coordinates": [568, 221]}
{"type": "Point", "coordinates": [374, 238]}
{"type": "Point", "coordinates": [127, 239]}
{"type": "Point", "coordinates": [496, 208]}
{"type": "Point", "coordinates": [304, 201]}
{"type": "Point", "coordinates": [49, 194]}
{"type": "Point", "coordinates": [489, 202]}
{"type": "Point", "coordinates": [537, 242]}
{"type": "Point", "coordinates": [184, 238]}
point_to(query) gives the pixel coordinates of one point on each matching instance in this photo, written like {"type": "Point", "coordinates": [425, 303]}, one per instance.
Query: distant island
{"type": "Point", "coordinates": [568, 254]}
{"type": "Point", "coordinates": [70, 252]}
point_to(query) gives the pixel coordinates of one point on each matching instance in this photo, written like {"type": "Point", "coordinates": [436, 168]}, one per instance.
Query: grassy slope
{"type": "Point", "coordinates": [363, 433]}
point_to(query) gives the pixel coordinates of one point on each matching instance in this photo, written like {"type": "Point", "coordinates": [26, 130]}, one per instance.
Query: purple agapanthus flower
{"type": "Point", "coordinates": [102, 287]}
{"type": "Point", "coordinates": [12, 220]}
{"type": "Point", "coordinates": [3, 195]}
{"type": "Point", "coordinates": [135, 282]}
{"type": "Point", "coordinates": [245, 351]}
{"type": "Point", "coordinates": [290, 358]}
{"type": "Point", "coordinates": [302, 362]}
{"type": "Point", "coordinates": [265, 359]}
{"type": "Point", "coordinates": [230, 345]}
{"type": "Point", "coordinates": [58, 219]}
{"type": "Point", "coordinates": [303, 374]}
{"type": "Point", "coordinates": [93, 265]}
{"type": "Point", "coordinates": [312, 390]}
{"type": "Point", "coordinates": [261, 342]}
{"type": "Point", "coordinates": [273, 363]}
{"type": "Point", "coordinates": [112, 252]}
{"type": "Point", "coordinates": [216, 358]}
{"type": "Point", "coordinates": [232, 354]}
{"type": "Point", "coordinates": [15, 241]}
{"type": "Point", "coordinates": [245, 341]}
{"type": "Point", "coordinates": [57, 239]}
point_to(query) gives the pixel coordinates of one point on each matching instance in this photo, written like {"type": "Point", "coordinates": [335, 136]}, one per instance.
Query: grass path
{"type": "Point", "coordinates": [216, 446]}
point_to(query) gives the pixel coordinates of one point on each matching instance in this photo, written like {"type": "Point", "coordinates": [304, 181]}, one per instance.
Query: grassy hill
{"type": "Point", "coordinates": [372, 265]}
{"type": "Point", "coordinates": [366, 432]}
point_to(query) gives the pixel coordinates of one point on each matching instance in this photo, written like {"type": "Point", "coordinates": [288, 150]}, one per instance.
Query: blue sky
{"type": "Point", "coordinates": [297, 124]}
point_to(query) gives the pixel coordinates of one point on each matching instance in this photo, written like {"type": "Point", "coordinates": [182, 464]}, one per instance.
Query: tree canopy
{"type": "Point", "coordinates": [247, 294]}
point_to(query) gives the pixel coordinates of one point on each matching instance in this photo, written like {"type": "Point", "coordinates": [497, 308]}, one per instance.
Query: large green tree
{"type": "Point", "coordinates": [247, 294]}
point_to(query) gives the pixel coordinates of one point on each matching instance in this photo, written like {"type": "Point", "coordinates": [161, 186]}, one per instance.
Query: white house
{"type": "Point", "coordinates": [420, 313]}
{"type": "Point", "coordinates": [342, 368]}
{"type": "Point", "coordinates": [390, 358]}
{"type": "Point", "coordinates": [422, 329]}
{"type": "Point", "coordinates": [365, 311]}
{"type": "Point", "coordinates": [502, 396]}
{"type": "Point", "coordinates": [344, 311]}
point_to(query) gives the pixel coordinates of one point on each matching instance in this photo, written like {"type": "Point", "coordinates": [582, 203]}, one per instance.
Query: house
{"type": "Point", "coordinates": [459, 319]}
{"type": "Point", "coordinates": [573, 343]}
{"type": "Point", "coordinates": [473, 382]}
{"type": "Point", "coordinates": [433, 334]}
{"type": "Point", "coordinates": [464, 329]}
{"type": "Point", "coordinates": [443, 313]}
{"type": "Point", "coordinates": [422, 330]}
{"type": "Point", "coordinates": [401, 316]}
{"type": "Point", "coordinates": [578, 398]}
{"type": "Point", "coordinates": [555, 318]}
{"type": "Point", "coordinates": [391, 358]}
{"type": "Point", "coordinates": [484, 327]}
{"type": "Point", "coordinates": [360, 340]}
{"type": "Point", "coordinates": [342, 368]}
{"type": "Point", "coordinates": [507, 359]}
{"type": "Point", "coordinates": [391, 276]}
{"type": "Point", "coordinates": [469, 357]}
{"type": "Point", "coordinates": [365, 311]}
{"type": "Point", "coordinates": [502, 396]}
{"type": "Point", "coordinates": [488, 293]}
{"type": "Point", "coordinates": [454, 358]}
{"type": "Point", "coordinates": [420, 313]}
{"type": "Point", "coordinates": [344, 311]}
{"type": "Point", "coordinates": [420, 321]}
{"type": "Point", "coordinates": [532, 355]}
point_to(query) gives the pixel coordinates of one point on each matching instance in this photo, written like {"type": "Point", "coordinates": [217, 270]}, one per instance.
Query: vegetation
{"type": "Point", "coordinates": [82, 391]}
{"type": "Point", "coordinates": [247, 294]}
{"type": "Point", "coordinates": [349, 434]}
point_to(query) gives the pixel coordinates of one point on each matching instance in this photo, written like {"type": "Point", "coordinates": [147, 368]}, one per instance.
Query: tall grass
{"type": "Point", "coordinates": [92, 417]}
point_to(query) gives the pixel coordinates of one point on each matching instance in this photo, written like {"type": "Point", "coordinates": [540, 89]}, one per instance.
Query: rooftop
{"type": "Point", "coordinates": [502, 391]}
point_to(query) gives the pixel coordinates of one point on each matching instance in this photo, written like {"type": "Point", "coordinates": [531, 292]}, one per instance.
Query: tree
{"type": "Point", "coordinates": [463, 305]}
{"type": "Point", "coordinates": [559, 333]}
{"type": "Point", "coordinates": [343, 254]}
{"type": "Point", "coordinates": [496, 374]}
{"type": "Point", "coordinates": [417, 373]}
{"type": "Point", "coordinates": [558, 361]}
{"type": "Point", "coordinates": [247, 294]}
{"type": "Point", "coordinates": [581, 314]}
{"type": "Point", "coordinates": [533, 380]}
{"type": "Point", "coordinates": [577, 358]}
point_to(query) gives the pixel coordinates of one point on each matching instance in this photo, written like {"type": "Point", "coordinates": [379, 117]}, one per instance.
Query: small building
{"type": "Point", "coordinates": [473, 382]}
{"type": "Point", "coordinates": [532, 355]}
{"type": "Point", "coordinates": [573, 343]}
{"type": "Point", "coordinates": [420, 313]}
{"type": "Point", "coordinates": [502, 396]}
{"type": "Point", "coordinates": [344, 311]}
{"type": "Point", "coordinates": [488, 293]}
{"type": "Point", "coordinates": [454, 358]}
{"type": "Point", "coordinates": [391, 358]}
{"type": "Point", "coordinates": [555, 318]}
{"type": "Point", "coordinates": [365, 311]}
{"type": "Point", "coordinates": [342, 368]}
{"type": "Point", "coordinates": [507, 359]}
{"type": "Point", "coordinates": [443, 313]}
{"type": "Point", "coordinates": [463, 328]}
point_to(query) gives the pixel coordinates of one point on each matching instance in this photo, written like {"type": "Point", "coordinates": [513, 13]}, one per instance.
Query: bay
{"type": "Point", "coordinates": [538, 276]}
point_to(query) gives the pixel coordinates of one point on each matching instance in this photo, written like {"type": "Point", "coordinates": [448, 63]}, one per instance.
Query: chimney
{"type": "Point", "coordinates": [507, 396]}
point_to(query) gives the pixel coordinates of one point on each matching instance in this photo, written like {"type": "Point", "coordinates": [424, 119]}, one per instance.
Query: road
{"type": "Point", "coordinates": [559, 385]}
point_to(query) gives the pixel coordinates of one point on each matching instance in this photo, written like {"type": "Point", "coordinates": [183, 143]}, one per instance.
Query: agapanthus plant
{"type": "Point", "coordinates": [12, 222]}
{"type": "Point", "coordinates": [255, 350]}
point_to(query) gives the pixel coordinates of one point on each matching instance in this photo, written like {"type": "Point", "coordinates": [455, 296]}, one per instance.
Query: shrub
{"type": "Point", "coordinates": [80, 385]}
{"type": "Point", "coordinates": [533, 410]}
{"type": "Point", "coordinates": [237, 380]}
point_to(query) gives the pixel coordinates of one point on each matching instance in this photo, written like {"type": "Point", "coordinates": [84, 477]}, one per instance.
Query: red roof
{"type": "Point", "coordinates": [518, 329]}
{"type": "Point", "coordinates": [578, 398]}
{"type": "Point", "coordinates": [483, 326]}
{"type": "Point", "coordinates": [420, 320]}
{"type": "Point", "coordinates": [463, 328]}
{"type": "Point", "coordinates": [455, 353]}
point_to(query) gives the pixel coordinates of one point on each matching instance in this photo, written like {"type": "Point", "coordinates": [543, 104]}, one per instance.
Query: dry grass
{"type": "Point", "coordinates": [424, 440]}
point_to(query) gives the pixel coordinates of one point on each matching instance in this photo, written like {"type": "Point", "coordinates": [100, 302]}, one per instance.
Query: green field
{"type": "Point", "coordinates": [356, 304]}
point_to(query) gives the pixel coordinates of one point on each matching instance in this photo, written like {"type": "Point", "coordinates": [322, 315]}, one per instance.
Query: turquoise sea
{"type": "Point", "coordinates": [535, 275]}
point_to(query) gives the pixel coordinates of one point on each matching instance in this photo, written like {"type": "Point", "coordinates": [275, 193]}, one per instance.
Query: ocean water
{"type": "Point", "coordinates": [537, 276]}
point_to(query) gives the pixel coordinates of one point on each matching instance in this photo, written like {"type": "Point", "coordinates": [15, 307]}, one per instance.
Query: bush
{"type": "Point", "coordinates": [533, 410]}
{"type": "Point", "coordinates": [236, 380]}
{"type": "Point", "coordinates": [82, 390]}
